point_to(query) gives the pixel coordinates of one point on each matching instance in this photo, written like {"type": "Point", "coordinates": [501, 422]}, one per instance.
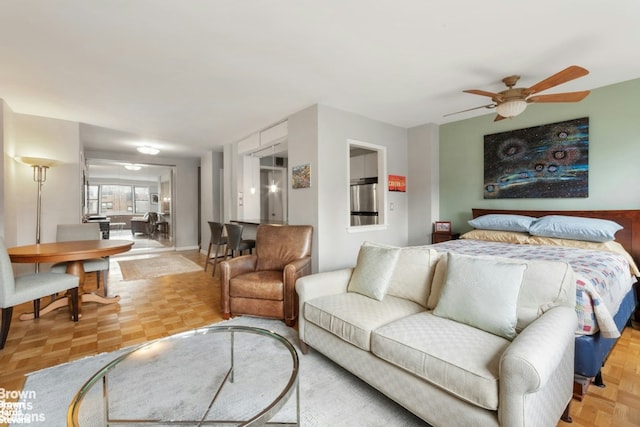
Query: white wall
{"type": "Point", "coordinates": [303, 149]}
{"type": "Point", "coordinates": [338, 245]}
{"type": "Point", "coordinates": [62, 192]}
{"type": "Point", "coordinates": [423, 183]}
{"type": "Point", "coordinates": [319, 135]}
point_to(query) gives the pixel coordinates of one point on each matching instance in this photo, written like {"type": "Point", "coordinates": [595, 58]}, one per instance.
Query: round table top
{"type": "Point", "coordinates": [67, 251]}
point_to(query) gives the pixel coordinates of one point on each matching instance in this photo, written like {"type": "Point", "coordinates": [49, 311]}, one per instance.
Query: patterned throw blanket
{"type": "Point", "coordinates": [602, 278]}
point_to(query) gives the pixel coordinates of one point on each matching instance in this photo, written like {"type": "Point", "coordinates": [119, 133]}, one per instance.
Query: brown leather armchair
{"type": "Point", "coordinates": [263, 284]}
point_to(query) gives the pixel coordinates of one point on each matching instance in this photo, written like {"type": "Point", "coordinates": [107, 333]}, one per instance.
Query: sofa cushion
{"type": "Point", "coordinates": [373, 270]}
{"type": "Point", "coordinates": [482, 292]}
{"type": "Point", "coordinates": [413, 273]}
{"type": "Point", "coordinates": [545, 284]}
{"type": "Point", "coordinates": [456, 357]}
{"type": "Point", "coordinates": [352, 316]}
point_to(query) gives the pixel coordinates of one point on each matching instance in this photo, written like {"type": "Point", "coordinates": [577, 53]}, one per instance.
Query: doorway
{"type": "Point", "coordinates": [122, 191]}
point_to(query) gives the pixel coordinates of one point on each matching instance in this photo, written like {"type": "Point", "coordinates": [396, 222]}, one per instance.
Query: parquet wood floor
{"type": "Point", "coordinates": [161, 306]}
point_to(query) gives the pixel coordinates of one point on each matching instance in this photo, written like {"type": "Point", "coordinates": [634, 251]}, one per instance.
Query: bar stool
{"type": "Point", "coordinates": [216, 239]}
{"type": "Point", "coordinates": [235, 242]}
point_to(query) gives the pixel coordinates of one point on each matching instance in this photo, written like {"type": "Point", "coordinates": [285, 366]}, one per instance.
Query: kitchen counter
{"type": "Point", "coordinates": [258, 222]}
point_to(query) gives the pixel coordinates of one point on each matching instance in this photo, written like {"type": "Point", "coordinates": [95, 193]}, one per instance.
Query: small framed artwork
{"type": "Point", "coordinates": [443, 227]}
{"type": "Point", "coordinates": [154, 198]}
{"type": "Point", "coordinates": [301, 176]}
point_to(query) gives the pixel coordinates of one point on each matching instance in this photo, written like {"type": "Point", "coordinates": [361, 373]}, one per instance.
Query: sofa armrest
{"type": "Point", "coordinates": [318, 285]}
{"type": "Point", "coordinates": [291, 273]}
{"type": "Point", "coordinates": [539, 360]}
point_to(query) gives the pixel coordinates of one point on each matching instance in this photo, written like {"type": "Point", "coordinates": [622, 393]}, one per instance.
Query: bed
{"type": "Point", "coordinates": [605, 280]}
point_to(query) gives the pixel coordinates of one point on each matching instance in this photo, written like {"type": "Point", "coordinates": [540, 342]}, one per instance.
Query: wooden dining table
{"type": "Point", "coordinates": [73, 253]}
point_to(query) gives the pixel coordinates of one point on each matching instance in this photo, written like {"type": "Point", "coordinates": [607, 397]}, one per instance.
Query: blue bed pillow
{"type": "Point", "coordinates": [502, 222]}
{"type": "Point", "coordinates": [575, 228]}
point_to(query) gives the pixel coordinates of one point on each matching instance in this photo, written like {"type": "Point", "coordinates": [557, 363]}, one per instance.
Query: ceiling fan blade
{"type": "Point", "coordinates": [498, 118]}
{"type": "Point", "coordinates": [494, 96]}
{"type": "Point", "coordinates": [492, 105]}
{"type": "Point", "coordinates": [566, 75]}
{"type": "Point", "coordinates": [560, 97]}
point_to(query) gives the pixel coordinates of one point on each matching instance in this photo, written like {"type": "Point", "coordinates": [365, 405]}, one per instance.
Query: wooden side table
{"type": "Point", "coordinates": [443, 237]}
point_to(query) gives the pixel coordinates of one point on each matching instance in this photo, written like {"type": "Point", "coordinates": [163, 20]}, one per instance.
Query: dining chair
{"type": "Point", "coordinates": [85, 231]}
{"type": "Point", "coordinates": [15, 290]}
{"type": "Point", "coordinates": [217, 239]}
{"type": "Point", "coordinates": [235, 243]}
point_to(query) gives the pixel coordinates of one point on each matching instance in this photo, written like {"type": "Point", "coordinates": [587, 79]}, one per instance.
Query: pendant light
{"type": "Point", "coordinates": [252, 190]}
{"type": "Point", "coordinates": [273, 188]}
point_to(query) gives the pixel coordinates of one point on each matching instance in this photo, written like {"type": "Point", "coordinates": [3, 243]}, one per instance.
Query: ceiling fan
{"type": "Point", "coordinates": [513, 100]}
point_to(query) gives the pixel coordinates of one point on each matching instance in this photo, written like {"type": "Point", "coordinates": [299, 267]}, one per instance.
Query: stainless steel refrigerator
{"type": "Point", "coordinates": [364, 203]}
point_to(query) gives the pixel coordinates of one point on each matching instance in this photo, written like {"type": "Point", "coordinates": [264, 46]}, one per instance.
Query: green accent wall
{"type": "Point", "coordinates": [614, 154]}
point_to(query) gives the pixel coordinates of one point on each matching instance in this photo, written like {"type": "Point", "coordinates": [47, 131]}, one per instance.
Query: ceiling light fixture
{"type": "Point", "coordinates": [511, 108]}
{"type": "Point", "coordinates": [132, 167]}
{"type": "Point", "coordinates": [147, 149]}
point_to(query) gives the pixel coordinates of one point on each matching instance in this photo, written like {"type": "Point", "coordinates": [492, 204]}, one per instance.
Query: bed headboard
{"type": "Point", "coordinates": [628, 237]}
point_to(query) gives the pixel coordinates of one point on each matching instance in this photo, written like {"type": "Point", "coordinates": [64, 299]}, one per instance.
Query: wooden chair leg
{"type": "Point", "coordinates": [74, 304]}
{"type": "Point", "coordinates": [206, 260]}
{"type": "Point", "coordinates": [98, 279]}
{"type": "Point", "coordinates": [104, 281]}
{"type": "Point", "coordinates": [36, 308]}
{"type": "Point", "coordinates": [6, 322]}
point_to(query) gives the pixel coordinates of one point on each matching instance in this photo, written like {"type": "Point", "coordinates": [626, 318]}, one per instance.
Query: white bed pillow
{"type": "Point", "coordinates": [482, 292]}
{"type": "Point", "coordinates": [372, 274]}
{"type": "Point", "coordinates": [575, 228]}
{"type": "Point", "coordinates": [502, 222]}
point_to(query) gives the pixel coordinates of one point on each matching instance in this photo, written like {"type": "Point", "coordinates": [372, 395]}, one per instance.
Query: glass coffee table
{"type": "Point", "coordinates": [218, 375]}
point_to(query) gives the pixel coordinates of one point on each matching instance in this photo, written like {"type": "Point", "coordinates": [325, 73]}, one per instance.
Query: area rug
{"type": "Point", "coordinates": [329, 395]}
{"type": "Point", "coordinates": [144, 268]}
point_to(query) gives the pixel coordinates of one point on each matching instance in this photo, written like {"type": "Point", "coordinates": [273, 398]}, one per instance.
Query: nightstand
{"type": "Point", "coordinates": [443, 237]}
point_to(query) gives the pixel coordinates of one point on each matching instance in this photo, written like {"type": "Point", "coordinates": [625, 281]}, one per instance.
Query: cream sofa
{"type": "Point", "coordinates": [411, 323]}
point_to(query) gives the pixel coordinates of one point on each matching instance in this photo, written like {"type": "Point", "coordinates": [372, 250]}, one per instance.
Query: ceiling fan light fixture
{"type": "Point", "coordinates": [147, 149]}
{"type": "Point", "coordinates": [511, 108]}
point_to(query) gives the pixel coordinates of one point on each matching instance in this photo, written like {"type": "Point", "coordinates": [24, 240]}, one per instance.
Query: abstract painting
{"type": "Point", "coordinates": [547, 161]}
{"type": "Point", "coordinates": [301, 176]}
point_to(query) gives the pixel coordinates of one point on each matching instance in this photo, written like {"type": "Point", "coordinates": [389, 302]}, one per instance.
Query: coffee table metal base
{"type": "Point", "coordinates": [262, 416]}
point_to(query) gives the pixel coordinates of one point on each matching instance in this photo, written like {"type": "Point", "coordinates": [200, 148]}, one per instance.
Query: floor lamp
{"type": "Point", "coordinates": [40, 167]}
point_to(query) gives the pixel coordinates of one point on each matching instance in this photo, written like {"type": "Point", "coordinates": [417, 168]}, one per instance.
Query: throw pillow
{"type": "Point", "coordinates": [482, 292]}
{"type": "Point", "coordinates": [373, 270]}
{"type": "Point", "coordinates": [413, 273]}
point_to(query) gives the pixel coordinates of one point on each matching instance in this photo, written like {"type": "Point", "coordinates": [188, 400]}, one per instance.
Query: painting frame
{"type": "Point", "coordinates": [545, 161]}
{"type": "Point", "coordinates": [301, 176]}
{"type": "Point", "coordinates": [442, 227]}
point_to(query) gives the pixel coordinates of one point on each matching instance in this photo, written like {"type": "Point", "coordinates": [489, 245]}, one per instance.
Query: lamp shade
{"type": "Point", "coordinates": [511, 108]}
{"type": "Point", "coordinates": [37, 161]}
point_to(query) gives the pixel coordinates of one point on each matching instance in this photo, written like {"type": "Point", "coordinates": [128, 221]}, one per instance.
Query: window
{"type": "Point", "coordinates": [141, 199]}
{"type": "Point", "coordinates": [92, 199]}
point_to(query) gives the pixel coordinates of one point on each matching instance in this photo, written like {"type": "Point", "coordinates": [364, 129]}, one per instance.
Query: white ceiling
{"type": "Point", "coordinates": [192, 75]}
